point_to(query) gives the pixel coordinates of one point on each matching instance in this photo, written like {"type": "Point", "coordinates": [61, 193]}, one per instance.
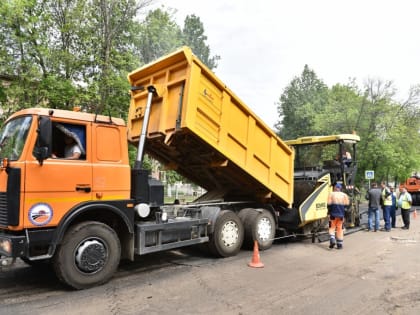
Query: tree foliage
{"type": "Point", "coordinates": [391, 132]}
{"type": "Point", "coordinates": [194, 37]}
{"type": "Point", "coordinates": [304, 96]}
{"type": "Point", "coordinates": [65, 53]}
{"type": "Point", "coordinates": [160, 35]}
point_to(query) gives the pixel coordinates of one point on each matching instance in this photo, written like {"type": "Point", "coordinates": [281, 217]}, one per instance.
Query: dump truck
{"type": "Point", "coordinates": [83, 216]}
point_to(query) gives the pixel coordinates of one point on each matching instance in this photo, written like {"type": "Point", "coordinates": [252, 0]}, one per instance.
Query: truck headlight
{"type": "Point", "coordinates": [4, 163]}
{"type": "Point", "coordinates": [6, 246]}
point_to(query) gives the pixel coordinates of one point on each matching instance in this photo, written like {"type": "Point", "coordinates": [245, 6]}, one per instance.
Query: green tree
{"type": "Point", "coordinates": [159, 35]}
{"type": "Point", "coordinates": [43, 51]}
{"type": "Point", "coordinates": [23, 39]}
{"type": "Point", "coordinates": [111, 25]}
{"type": "Point", "coordinates": [194, 37]}
{"type": "Point", "coordinates": [340, 112]}
{"type": "Point", "coordinates": [385, 127]}
{"type": "Point", "coordinates": [298, 105]}
{"type": "Point", "coordinates": [67, 52]}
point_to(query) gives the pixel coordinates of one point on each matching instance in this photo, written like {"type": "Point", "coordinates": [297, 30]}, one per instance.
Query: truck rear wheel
{"type": "Point", "coordinates": [228, 235]}
{"type": "Point", "coordinates": [259, 225]}
{"type": "Point", "coordinates": [88, 256]}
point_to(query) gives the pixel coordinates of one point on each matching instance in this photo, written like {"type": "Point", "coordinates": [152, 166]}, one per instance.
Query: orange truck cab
{"type": "Point", "coordinates": [40, 194]}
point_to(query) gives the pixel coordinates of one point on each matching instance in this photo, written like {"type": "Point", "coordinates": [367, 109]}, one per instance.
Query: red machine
{"type": "Point", "coordinates": [413, 187]}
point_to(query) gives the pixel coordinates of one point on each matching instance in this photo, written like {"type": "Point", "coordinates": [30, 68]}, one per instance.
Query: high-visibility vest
{"type": "Point", "coordinates": [405, 201]}
{"type": "Point", "coordinates": [387, 200]}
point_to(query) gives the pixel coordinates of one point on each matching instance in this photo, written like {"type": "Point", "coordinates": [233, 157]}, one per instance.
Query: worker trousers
{"type": "Point", "coordinates": [336, 230]}
{"type": "Point", "coordinates": [373, 213]}
{"type": "Point", "coordinates": [405, 215]}
{"type": "Point", "coordinates": [387, 217]}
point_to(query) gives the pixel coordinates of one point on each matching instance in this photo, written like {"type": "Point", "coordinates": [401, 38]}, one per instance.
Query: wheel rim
{"type": "Point", "coordinates": [91, 255]}
{"type": "Point", "coordinates": [264, 229]}
{"type": "Point", "coordinates": [230, 234]}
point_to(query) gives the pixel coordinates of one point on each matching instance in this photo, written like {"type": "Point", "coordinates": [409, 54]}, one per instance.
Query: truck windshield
{"type": "Point", "coordinates": [13, 136]}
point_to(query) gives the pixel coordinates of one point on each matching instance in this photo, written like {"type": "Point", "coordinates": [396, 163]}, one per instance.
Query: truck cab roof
{"type": "Point", "coordinates": [73, 115]}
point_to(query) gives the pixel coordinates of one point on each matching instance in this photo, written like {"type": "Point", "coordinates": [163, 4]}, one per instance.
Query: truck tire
{"type": "Point", "coordinates": [228, 235]}
{"type": "Point", "coordinates": [259, 225]}
{"type": "Point", "coordinates": [88, 256]}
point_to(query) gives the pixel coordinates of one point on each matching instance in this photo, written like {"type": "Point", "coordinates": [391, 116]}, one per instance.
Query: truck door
{"type": "Point", "coordinates": [111, 170]}
{"type": "Point", "coordinates": [60, 183]}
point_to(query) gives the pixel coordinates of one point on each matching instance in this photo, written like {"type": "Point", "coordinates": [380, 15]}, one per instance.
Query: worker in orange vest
{"type": "Point", "coordinates": [337, 203]}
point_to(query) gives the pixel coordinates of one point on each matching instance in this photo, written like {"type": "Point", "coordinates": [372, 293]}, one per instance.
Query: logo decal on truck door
{"type": "Point", "coordinates": [40, 214]}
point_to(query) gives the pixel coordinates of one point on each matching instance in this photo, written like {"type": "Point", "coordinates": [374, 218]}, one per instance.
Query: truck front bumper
{"type": "Point", "coordinates": [11, 246]}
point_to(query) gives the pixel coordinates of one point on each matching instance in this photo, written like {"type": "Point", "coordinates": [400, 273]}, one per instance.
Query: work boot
{"type": "Point", "coordinates": [332, 243]}
{"type": "Point", "coordinates": [339, 246]}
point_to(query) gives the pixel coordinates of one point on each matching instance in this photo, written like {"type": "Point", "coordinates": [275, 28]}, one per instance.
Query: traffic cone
{"type": "Point", "coordinates": [255, 262]}
{"type": "Point", "coordinates": [415, 214]}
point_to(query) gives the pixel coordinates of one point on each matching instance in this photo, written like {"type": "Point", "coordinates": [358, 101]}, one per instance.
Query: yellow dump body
{"type": "Point", "coordinates": [201, 129]}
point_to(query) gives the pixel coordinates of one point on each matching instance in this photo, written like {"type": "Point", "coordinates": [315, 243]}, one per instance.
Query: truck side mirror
{"type": "Point", "coordinates": [42, 148]}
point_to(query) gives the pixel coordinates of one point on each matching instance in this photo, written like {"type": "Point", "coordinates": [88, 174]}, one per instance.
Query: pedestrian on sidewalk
{"type": "Point", "coordinates": [386, 206]}
{"type": "Point", "coordinates": [404, 202]}
{"type": "Point", "coordinates": [337, 202]}
{"type": "Point", "coordinates": [374, 197]}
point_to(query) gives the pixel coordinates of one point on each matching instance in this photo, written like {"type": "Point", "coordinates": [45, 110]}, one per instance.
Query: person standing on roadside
{"type": "Point", "coordinates": [374, 197]}
{"type": "Point", "coordinates": [404, 202]}
{"type": "Point", "coordinates": [337, 202]}
{"type": "Point", "coordinates": [393, 209]}
{"type": "Point", "coordinates": [386, 206]}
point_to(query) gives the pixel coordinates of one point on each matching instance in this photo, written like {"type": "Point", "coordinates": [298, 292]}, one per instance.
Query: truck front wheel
{"type": "Point", "coordinates": [228, 235]}
{"type": "Point", "coordinates": [88, 256]}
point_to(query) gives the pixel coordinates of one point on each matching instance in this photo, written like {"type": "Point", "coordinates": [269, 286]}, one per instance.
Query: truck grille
{"type": "Point", "coordinates": [3, 209]}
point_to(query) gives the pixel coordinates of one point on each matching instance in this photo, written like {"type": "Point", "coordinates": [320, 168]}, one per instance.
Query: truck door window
{"type": "Point", "coordinates": [68, 140]}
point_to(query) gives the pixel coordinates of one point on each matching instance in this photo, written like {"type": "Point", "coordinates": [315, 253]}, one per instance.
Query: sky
{"type": "Point", "coordinates": [265, 44]}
